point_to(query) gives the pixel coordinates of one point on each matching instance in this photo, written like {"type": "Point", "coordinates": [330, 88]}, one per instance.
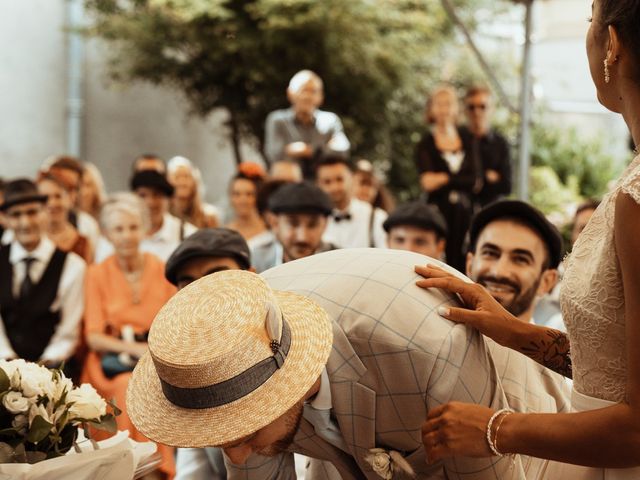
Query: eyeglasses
{"type": "Point", "coordinates": [476, 106]}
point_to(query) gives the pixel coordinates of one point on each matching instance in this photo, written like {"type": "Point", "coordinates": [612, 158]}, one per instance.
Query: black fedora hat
{"type": "Point", "coordinates": [21, 190]}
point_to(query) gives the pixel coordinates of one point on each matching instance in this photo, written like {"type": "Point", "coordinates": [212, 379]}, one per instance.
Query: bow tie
{"type": "Point", "coordinates": [338, 217]}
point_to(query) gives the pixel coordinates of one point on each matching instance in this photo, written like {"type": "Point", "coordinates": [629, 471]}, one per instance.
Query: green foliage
{"type": "Point", "coordinates": [576, 160]}
{"type": "Point", "coordinates": [376, 58]}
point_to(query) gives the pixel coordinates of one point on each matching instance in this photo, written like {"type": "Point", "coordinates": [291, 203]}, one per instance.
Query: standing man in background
{"type": "Point", "coordinates": [303, 132]}
{"type": "Point", "coordinates": [493, 148]}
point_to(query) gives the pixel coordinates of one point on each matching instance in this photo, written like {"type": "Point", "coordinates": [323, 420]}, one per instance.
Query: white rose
{"type": "Point", "coordinates": [37, 380]}
{"type": "Point", "coordinates": [15, 402]}
{"type": "Point", "coordinates": [88, 405]}
{"type": "Point", "coordinates": [61, 385]}
{"type": "Point", "coordinates": [380, 461]}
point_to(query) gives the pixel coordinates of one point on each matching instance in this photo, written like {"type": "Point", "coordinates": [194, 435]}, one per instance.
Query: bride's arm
{"type": "Point", "coordinates": [610, 436]}
{"type": "Point", "coordinates": [547, 346]}
{"type": "Point", "coordinates": [607, 437]}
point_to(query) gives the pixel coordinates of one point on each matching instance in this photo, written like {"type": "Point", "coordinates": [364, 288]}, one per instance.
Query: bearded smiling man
{"type": "Point", "coordinates": [514, 253]}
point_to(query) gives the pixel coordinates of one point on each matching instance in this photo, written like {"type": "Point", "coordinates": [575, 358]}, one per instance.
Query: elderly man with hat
{"type": "Point", "coordinates": [417, 227]}
{"type": "Point", "coordinates": [299, 218]}
{"type": "Point", "coordinates": [514, 253]}
{"type": "Point", "coordinates": [42, 294]}
{"type": "Point", "coordinates": [338, 356]}
{"type": "Point", "coordinates": [207, 251]}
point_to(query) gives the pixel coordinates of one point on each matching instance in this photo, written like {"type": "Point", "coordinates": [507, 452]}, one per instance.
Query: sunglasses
{"type": "Point", "coordinates": [478, 106]}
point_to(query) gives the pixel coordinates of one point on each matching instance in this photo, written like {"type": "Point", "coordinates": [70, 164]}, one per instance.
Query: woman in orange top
{"type": "Point", "coordinates": [123, 295]}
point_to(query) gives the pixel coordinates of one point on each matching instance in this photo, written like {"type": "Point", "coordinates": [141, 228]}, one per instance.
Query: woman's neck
{"type": "Point", "coordinates": [447, 129]}
{"type": "Point", "coordinates": [631, 111]}
{"type": "Point", "coordinates": [248, 218]}
{"type": "Point", "coordinates": [57, 226]}
{"type": "Point", "coordinates": [131, 263]}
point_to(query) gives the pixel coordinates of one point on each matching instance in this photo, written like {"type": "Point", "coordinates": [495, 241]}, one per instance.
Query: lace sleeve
{"type": "Point", "coordinates": [631, 184]}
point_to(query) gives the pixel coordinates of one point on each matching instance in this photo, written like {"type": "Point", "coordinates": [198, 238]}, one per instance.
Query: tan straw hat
{"type": "Point", "coordinates": [227, 356]}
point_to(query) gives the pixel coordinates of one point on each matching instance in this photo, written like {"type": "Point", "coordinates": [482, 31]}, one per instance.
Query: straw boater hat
{"type": "Point", "coordinates": [227, 356]}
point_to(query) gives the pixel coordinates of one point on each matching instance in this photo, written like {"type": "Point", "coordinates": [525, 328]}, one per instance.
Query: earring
{"type": "Point", "coordinates": [607, 76]}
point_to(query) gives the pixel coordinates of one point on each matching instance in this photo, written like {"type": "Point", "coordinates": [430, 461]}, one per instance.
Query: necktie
{"type": "Point", "coordinates": [338, 217]}
{"type": "Point", "coordinates": [324, 427]}
{"type": "Point", "coordinates": [27, 284]}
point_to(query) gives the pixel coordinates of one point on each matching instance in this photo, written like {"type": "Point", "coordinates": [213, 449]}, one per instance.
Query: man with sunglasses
{"type": "Point", "coordinates": [492, 146]}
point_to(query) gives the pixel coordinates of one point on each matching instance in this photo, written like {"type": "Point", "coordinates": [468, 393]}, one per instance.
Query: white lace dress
{"type": "Point", "coordinates": [592, 301]}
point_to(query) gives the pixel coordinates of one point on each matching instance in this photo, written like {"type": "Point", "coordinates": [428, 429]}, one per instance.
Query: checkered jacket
{"type": "Point", "coordinates": [393, 359]}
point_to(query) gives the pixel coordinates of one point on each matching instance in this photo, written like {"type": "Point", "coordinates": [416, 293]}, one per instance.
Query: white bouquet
{"type": "Point", "coordinates": [41, 410]}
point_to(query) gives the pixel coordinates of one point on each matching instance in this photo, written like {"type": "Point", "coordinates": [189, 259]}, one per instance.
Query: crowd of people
{"type": "Point", "coordinates": [85, 273]}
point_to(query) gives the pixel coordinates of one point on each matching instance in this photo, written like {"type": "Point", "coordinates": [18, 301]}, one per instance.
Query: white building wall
{"type": "Point", "coordinates": [119, 122]}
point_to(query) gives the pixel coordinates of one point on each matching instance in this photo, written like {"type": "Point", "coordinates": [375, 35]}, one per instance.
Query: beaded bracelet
{"type": "Point", "coordinates": [490, 441]}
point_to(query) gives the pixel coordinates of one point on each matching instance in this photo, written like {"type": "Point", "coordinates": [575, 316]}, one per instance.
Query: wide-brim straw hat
{"type": "Point", "coordinates": [211, 332]}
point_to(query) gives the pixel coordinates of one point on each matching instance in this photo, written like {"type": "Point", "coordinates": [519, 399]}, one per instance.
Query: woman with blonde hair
{"type": "Point", "coordinates": [92, 192]}
{"type": "Point", "coordinates": [187, 202]}
{"type": "Point", "coordinates": [123, 295]}
{"type": "Point", "coordinates": [447, 161]}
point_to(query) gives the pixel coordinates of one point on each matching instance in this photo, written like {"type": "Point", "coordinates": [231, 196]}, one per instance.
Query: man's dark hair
{"type": "Point", "coordinates": [2, 184]}
{"type": "Point", "coordinates": [66, 162]}
{"type": "Point", "coordinates": [330, 159]}
{"type": "Point", "coordinates": [590, 204]}
{"type": "Point", "coordinates": [625, 16]}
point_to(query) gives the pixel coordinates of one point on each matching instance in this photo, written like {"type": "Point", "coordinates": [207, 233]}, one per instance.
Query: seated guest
{"type": "Point", "coordinates": [92, 192]}
{"type": "Point", "coordinates": [149, 161]}
{"type": "Point", "coordinates": [304, 132]}
{"type": "Point", "coordinates": [299, 218]}
{"type": "Point", "coordinates": [165, 231]}
{"type": "Point", "coordinates": [368, 187]}
{"type": "Point", "coordinates": [59, 229]}
{"type": "Point", "coordinates": [41, 298]}
{"type": "Point", "coordinates": [336, 355]}
{"type": "Point", "coordinates": [70, 169]}
{"type": "Point", "coordinates": [514, 253]}
{"type": "Point", "coordinates": [123, 295]}
{"type": "Point", "coordinates": [285, 170]}
{"type": "Point", "coordinates": [243, 198]}
{"type": "Point", "coordinates": [417, 227]}
{"type": "Point", "coordinates": [205, 252]}
{"type": "Point", "coordinates": [188, 202]}
{"type": "Point", "coordinates": [353, 223]}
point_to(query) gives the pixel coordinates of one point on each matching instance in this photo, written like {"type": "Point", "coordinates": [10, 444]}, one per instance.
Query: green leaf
{"type": "Point", "coordinates": [5, 383]}
{"type": "Point", "coordinates": [116, 410]}
{"type": "Point", "coordinates": [39, 430]}
{"type": "Point", "coordinates": [8, 432]}
{"type": "Point", "coordinates": [107, 423]}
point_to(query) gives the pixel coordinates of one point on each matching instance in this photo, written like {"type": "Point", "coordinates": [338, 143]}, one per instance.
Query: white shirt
{"type": "Point", "coordinates": [318, 413]}
{"type": "Point", "coordinates": [354, 233]}
{"type": "Point", "coordinates": [69, 299]}
{"type": "Point", "coordinates": [161, 244]}
{"type": "Point", "coordinates": [88, 227]}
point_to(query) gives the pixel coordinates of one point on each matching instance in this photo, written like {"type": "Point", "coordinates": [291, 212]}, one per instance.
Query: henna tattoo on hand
{"type": "Point", "coordinates": [554, 352]}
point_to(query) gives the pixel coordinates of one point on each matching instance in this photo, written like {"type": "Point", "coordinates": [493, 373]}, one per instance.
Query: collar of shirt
{"type": "Point", "coordinates": [42, 252]}
{"type": "Point", "coordinates": [294, 118]}
{"type": "Point", "coordinates": [277, 246]}
{"type": "Point", "coordinates": [322, 400]}
{"type": "Point", "coordinates": [169, 231]}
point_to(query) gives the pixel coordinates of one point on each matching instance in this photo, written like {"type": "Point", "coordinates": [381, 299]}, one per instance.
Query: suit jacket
{"type": "Point", "coordinates": [393, 359]}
